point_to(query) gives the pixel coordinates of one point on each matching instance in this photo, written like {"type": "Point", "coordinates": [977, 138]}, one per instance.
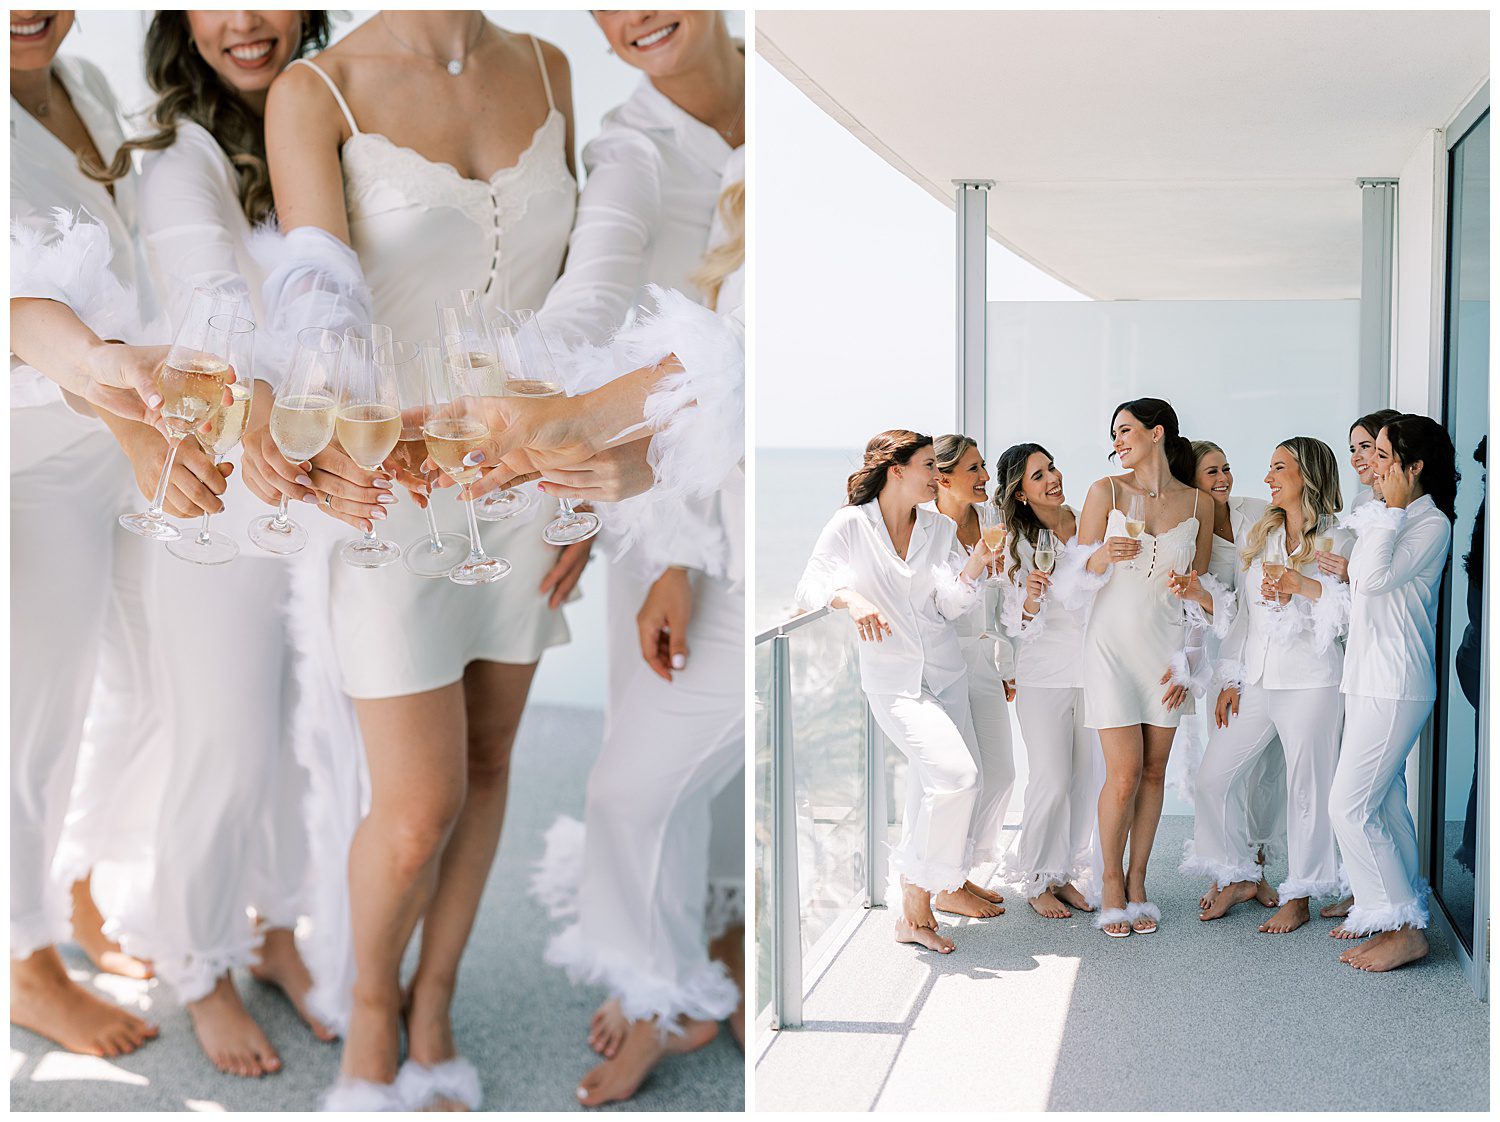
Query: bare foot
{"type": "Point", "coordinates": [961, 903]}
{"type": "Point", "coordinates": [1342, 932]}
{"type": "Point", "coordinates": [1070, 896]}
{"type": "Point", "coordinates": [924, 936]}
{"type": "Point", "coordinates": [607, 1028]}
{"type": "Point", "coordinates": [229, 1036]}
{"type": "Point", "coordinates": [49, 1003]}
{"type": "Point", "coordinates": [1206, 901]}
{"type": "Point", "coordinates": [1265, 895]}
{"type": "Point", "coordinates": [729, 948]}
{"type": "Point", "coordinates": [916, 906]}
{"type": "Point", "coordinates": [1351, 953]}
{"type": "Point", "coordinates": [1228, 897]}
{"type": "Point", "coordinates": [1337, 911]}
{"type": "Point", "coordinates": [1291, 915]}
{"type": "Point", "coordinates": [1397, 948]}
{"type": "Point", "coordinates": [645, 1046]}
{"type": "Point", "coordinates": [281, 966]}
{"type": "Point", "coordinates": [88, 933]}
{"type": "Point", "coordinates": [983, 893]}
{"type": "Point", "coordinates": [1048, 906]}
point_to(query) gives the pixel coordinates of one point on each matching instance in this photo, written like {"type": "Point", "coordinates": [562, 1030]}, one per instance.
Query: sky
{"type": "Point", "coordinates": [853, 267]}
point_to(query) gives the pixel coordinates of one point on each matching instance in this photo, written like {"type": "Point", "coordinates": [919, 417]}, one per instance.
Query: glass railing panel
{"type": "Point", "coordinates": [763, 895]}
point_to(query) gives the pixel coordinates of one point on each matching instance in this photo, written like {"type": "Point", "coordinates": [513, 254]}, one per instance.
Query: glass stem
{"type": "Point", "coordinates": [159, 499]}
{"type": "Point", "coordinates": [566, 506]}
{"type": "Point", "coordinates": [434, 539]}
{"type": "Point", "coordinates": [203, 538]}
{"type": "Point", "coordinates": [476, 551]}
{"type": "Point", "coordinates": [281, 519]}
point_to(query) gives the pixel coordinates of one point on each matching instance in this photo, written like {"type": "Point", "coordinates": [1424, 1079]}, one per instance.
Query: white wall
{"type": "Point", "coordinates": [1417, 295]}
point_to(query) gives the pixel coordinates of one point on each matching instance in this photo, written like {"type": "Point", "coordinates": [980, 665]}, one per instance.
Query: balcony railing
{"type": "Point", "coordinates": [821, 810]}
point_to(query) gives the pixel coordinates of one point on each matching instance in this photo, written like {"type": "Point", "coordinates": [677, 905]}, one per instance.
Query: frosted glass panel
{"type": "Point", "coordinates": [1242, 373]}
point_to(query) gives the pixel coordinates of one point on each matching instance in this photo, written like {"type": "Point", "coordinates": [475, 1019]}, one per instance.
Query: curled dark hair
{"type": "Point", "coordinates": [885, 450]}
{"type": "Point", "coordinates": [1414, 437]}
{"type": "Point", "coordinates": [1020, 520]}
{"type": "Point", "coordinates": [1153, 411]}
{"type": "Point", "coordinates": [188, 88]}
{"type": "Point", "coordinates": [1372, 423]}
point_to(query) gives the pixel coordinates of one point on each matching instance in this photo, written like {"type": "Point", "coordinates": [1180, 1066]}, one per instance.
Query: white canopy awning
{"type": "Point", "coordinates": [1148, 155]}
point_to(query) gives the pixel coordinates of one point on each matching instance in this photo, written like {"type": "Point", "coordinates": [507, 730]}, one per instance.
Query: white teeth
{"type": "Point", "coordinates": [28, 28]}
{"type": "Point", "coordinates": [655, 37]}
{"type": "Point", "coordinates": [249, 52]}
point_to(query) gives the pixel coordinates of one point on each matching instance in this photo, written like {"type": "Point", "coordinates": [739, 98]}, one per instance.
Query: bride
{"type": "Point", "coordinates": [426, 152]}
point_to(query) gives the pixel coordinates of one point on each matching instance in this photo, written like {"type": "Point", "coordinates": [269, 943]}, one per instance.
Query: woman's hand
{"type": "Point", "coordinates": [1187, 586]}
{"type": "Point", "coordinates": [1037, 583]}
{"type": "Point", "coordinates": [608, 476]}
{"type": "Point", "coordinates": [529, 435]}
{"type": "Point", "coordinates": [349, 492]}
{"type": "Point", "coordinates": [1229, 705]}
{"type": "Point", "coordinates": [1335, 565]}
{"type": "Point", "coordinates": [1113, 551]}
{"type": "Point", "coordinates": [1398, 485]}
{"type": "Point", "coordinates": [268, 474]}
{"type": "Point", "coordinates": [121, 379]}
{"type": "Point", "coordinates": [663, 622]}
{"type": "Point", "coordinates": [867, 618]}
{"type": "Point", "coordinates": [979, 561]}
{"type": "Point", "coordinates": [195, 483]}
{"type": "Point", "coordinates": [1291, 583]}
{"type": "Point", "coordinates": [565, 573]}
{"type": "Point", "coordinates": [1176, 694]}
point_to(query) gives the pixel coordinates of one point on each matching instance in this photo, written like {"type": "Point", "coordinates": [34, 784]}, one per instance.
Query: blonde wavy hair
{"type": "Point", "coordinates": [728, 255]}
{"type": "Point", "coordinates": [1321, 499]}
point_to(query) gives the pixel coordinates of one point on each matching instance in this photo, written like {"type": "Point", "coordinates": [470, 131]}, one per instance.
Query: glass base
{"type": "Point", "coordinates": [280, 538]}
{"type": "Point", "coordinates": [150, 526]}
{"type": "Point", "coordinates": [501, 505]}
{"type": "Point", "coordinates": [363, 553]}
{"type": "Point", "coordinates": [483, 571]}
{"type": "Point", "coordinates": [566, 529]}
{"type": "Point", "coordinates": [211, 548]}
{"type": "Point", "coordinates": [421, 559]}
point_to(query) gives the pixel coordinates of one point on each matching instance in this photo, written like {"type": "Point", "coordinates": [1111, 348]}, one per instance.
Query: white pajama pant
{"type": "Point", "coordinates": [935, 732]}
{"type": "Point", "coordinates": [1307, 722]}
{"type": "Point", "coordinates": [1376, 835]}
{"type": "Point", "coordinates": [230, 837]}
{"type": "Point", "coordinates": [669, 748]}
{"type": "Point", "coordinates": [994, 754]}
{"type": "Point", "coordinates": [1060, 809]}
{"type": "Point", "coordinates": [1266, 812]}
{"type": "Point", "coordinates": [75, 579]}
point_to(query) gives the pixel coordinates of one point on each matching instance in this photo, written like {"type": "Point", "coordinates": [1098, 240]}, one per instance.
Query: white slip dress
{"type": "Point", "coordinates": [422, 231]}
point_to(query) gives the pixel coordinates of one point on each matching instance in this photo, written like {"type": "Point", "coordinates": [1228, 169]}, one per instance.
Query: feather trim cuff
{"type": "Point", "coordinates": [1074, 586]}
{"type": "Point", "coordinates": [1373, 515]}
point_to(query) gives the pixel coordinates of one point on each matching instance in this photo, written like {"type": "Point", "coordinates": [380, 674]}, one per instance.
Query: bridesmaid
{"type": "Point", "coordinates": [962, 484]}
{"type": "Point", "coordinates": [896, 567]}
{"type": "Point", "coordinates": [1389, 686]}
{"type": "Point", "coordinates": [1133, 645]}
{"type": "Point", "coordinates": [1059, 825]}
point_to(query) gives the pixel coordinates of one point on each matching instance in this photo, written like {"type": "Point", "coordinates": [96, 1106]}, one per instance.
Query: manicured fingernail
{"type": "Point", "coordinates": [310, 498]}
{"type": "Point", "coordinates": [304, 480]}
{"type": "Point", "coordinates": [474, 459]}
{"type": "Point", "coordinates": [542, 487]}
{"type": "Point", "coordinates": [387, 498]}
{"type": "Point", "coordinates": [383, 484]}
{"type": "Point", "coordinates": [582, 1094]}
{"type": "Point", "coordinates": [154, 400]}
{"type": "Point", "coordinates": [377, 512]}
{"type": "Point", "coordinates": [679, 660]}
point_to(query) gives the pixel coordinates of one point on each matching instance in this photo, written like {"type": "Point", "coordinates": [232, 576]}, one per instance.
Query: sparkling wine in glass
{"type": "Point", "coordinates": [436, 553]}
{"type": "Point", "coordinates": [991, 528]}
{"type": "Point", "coordinates": [368, 423]}
{"type": "Point", "coordinates": [1135, 519]}
{"type": "Point", "coordinates": [220, 437]}
{"type": "Point", "coordinates": [191, 381]}
{"type": "Point", "coordinates": [302, 420]}
{"type": "Point", "coordinates": [1274, 564]}
{"type": "Point", "coordinates": [454, 426]}
{"type": "Point", "coordinates": [539, 378]}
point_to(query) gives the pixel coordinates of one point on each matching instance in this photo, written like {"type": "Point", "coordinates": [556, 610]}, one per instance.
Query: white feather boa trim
{"type": "Point", "coordinates": [1308, 889]}
{"type": "Point", "coordinates": [931, 876]}
{"type": "Point", "coordinates": [312, 280]}
{"type": "Point", "coordinates": [1192, 670]}
{"type": "Point", "coordinates": [1073, 585]}
{"type": "Point", "coordinates": [1187, 756]}
{"type": "Point", "coordinates": [418, 1085]}
{"type": "Point", "coordinates": [1223, 601]}
{"type": "Point", "coordinates": [953, 593]}
{"type": "Point", "coordinates": [1373, 515]}
{"type": "Point", "coordinates": [1364, 920]}
{"type": "Point", "coordinates": [69, 263]}
{"type": "Point", "coordinates": [1222, 872]}
{"type": "Point", "coordinates": [361, 1096]}
{"type": "Point", "coordinates": [1013, 614]}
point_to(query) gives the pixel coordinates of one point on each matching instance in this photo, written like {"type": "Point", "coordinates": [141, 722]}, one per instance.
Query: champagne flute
{"type": "Point", "coordinates": [191, 381]}
{"type": "Point", "coordinates": [436, 554]}
{"type": "Point", "coordinates": [494, 361]}
{"type": "Point", "coordinates": [1044, 556]}
{"type": "Point", "coordinates": [991, 528]}
{"type": "Point", "coordinates": [454, 426]}
{"type": "Point", "coordinates": [301, 425]}
{"type": "Point", "coordinates": [1274, 564]}
{"type": "Point", "coordinates": [222, 434]}
{"type": "Point", "coordinates": [1135, 520]}
{"type": "Point", "coordinates": [368, 424]}
{"type": "Point", "coordinates": [540, 379]}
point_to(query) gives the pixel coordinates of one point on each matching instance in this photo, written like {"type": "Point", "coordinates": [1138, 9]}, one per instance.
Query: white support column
{"type": "Point", "coordinates": [969, 295]}
{"type": "Point", "coordinates": [1377, 268]}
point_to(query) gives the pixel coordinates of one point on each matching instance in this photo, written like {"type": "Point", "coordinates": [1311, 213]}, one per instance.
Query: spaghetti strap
{"type": "Point", "coordinates": [333, 89]}
{"type": "Point", "coordinates": [1195, 502]}
{"type": "Point", "coordinates": [1111, 492]}
{"type": "Point", "coordinates": [542, 66]}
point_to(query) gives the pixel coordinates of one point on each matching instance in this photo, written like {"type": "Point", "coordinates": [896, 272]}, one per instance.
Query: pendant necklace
{"type": "Point", "coordinates": [455, 66]}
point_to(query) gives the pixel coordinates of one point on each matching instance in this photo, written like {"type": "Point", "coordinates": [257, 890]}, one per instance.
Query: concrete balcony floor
{"type": "Point", "coordinates": [519, 1020]}
{"type": "Point", "coordinates": [1034, 1014]}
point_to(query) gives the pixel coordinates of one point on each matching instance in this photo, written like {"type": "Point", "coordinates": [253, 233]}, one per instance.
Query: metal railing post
{"type": "Point", "coordinates": [786, 913]}
{"type": "Point", "coordinates": [874, 811]}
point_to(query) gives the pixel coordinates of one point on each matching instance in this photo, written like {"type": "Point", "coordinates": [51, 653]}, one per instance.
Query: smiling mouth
{"type": "Point", "coordinates": [37, 29]}
{"type": "Point", "coordinates": [660, 35]}
{"type": "Point", "coordinates": [251, 54]}
{"type": "Point", "coordinates": [1054, 492]}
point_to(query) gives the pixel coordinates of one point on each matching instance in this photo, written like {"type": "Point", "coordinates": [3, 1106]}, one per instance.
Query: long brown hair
{"type": "Point", "coordinates": [1019, 519]}
{"type": "Point", "coordinates": [885, 450]}
{"type": "Point", "coordinates": [1321, 500]}
{"type": "Point", "coordinates": [188, 88]}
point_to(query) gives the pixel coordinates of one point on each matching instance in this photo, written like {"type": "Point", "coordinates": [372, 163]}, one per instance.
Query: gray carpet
{"type": "Point", "coordinates": [521, 1022]}
{"type": "Point", "coordinates": [1033, 1014]}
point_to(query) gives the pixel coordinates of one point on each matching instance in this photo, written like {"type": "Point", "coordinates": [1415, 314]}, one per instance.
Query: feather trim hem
{"type": "Point", "coordinates": [705, 993]}
{"type": "Point", "coordinates": [1223, 873]}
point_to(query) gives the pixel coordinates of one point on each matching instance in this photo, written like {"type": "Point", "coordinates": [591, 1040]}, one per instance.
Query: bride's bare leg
{"type": "Point", "coordinates": [88, 933]}
{"type": "Point", "coordinates": [416, 751]}
{"type": "Point", "coordinates": [494, 696]}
